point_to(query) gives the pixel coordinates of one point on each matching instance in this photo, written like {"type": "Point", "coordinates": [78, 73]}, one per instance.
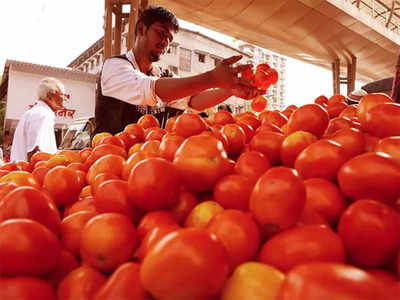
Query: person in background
{"type": "Point", "coordinates": [1, 157]}
{"type": "Point", "coordinates": [378, 86]}
{"type": "Point", "coordinates": [225, 107]}
{"type": "Point", "coordinates": [35, 129]}
{"type": "Point", "coordinates": [131, 85]}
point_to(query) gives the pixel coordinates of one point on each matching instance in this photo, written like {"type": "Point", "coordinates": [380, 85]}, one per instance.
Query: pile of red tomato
{"type": "Point", "coordinates": [302, 203]}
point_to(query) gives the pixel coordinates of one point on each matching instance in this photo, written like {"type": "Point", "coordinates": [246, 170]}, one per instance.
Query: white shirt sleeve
{"type": "Point", "coordinates": [121, 81]}
{"type": "Point", "coordinates": [40, 132]}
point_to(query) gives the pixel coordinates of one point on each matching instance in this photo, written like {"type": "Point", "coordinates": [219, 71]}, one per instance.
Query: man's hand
{"type": "Point", "coordinates": [226, 76]}
{"type": "Point", "coordinates": [246, 92]}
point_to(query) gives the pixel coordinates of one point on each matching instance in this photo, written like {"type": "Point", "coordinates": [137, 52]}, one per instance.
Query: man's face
{"type": "Point", "coordinates": [159, 36]}
{"type": "Point", "coordinates": [58, 100]}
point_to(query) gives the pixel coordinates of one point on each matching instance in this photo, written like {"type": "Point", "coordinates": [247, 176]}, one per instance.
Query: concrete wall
{"type": "Point", "coordinates": [22, 92]}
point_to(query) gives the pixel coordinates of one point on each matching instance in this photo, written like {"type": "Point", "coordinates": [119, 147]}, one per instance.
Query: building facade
{"type": "Point", "coordinates": [276, 94]}
{"type": "Point", "coordinates": [192, 53]}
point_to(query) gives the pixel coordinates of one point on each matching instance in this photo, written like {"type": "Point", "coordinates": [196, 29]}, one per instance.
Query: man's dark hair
{"type": "Point", "coordinates": [225, 107]}
{"type": "Point", "coordinates": [160, 14]}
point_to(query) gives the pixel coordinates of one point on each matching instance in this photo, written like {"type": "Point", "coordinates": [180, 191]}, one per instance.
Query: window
{"type": "Point", "coordinates": [185, 59]}
{"type": "Point", "coordinates": [172, 50]}
{"type": "Point", "coordinates": [173, 69]}
{"type": "Point", "coordinates": [201, 57]}
{"type": "Point", "coordinates": [216, 60]}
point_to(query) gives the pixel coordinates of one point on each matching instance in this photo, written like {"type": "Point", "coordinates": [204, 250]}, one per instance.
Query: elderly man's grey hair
{"type": "Point", "coordinates": [49, 85]}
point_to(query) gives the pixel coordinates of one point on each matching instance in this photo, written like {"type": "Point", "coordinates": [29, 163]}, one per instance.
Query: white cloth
{"type": "Point", "coordinates": [122, 81]}
{"type": "Point", "coordinates": [35, 128]}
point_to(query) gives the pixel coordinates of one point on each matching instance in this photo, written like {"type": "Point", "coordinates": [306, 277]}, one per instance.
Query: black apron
{"type": "Point", "coordinates": [112, 115]}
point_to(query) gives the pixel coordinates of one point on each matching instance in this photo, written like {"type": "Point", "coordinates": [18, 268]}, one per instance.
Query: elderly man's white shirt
{"type": "Point", "coordinates": [127, 83]}
{"type": "Point", "coordinates": [35, 128]}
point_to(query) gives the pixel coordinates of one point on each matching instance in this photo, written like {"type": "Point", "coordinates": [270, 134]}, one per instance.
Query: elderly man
{"type": "Point", "coordinates": [35, 130]}
{"type": "Point", "coordinates": [130, 85]}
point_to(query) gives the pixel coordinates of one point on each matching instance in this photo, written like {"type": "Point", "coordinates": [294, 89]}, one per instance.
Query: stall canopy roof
{"type": "Point", "coordinates": [315, 31]}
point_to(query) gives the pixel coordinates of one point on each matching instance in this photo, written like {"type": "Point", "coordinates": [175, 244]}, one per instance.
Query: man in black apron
{"type": "Point", "coordinates": [130, 86]}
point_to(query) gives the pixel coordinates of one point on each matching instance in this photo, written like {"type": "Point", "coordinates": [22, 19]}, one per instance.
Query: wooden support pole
{"type": "Point", "coordinates": [132, 22]}
{"type": "Point", "coordinates": [396, 82]}
{"type": "Point", "coordinates": [336, 76]}
{"type": "Point", "coordinates": [117, 30]}
{"type": "Point", "coordinates": [390, 15]}
{"type": "Point", "coordinates": [108, 29]}
{"type": "Point", "coordinates": [351, 75]}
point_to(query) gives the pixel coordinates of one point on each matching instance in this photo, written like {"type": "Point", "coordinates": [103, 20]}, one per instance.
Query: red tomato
{"type": "Point", "coordinates": [321, 159]}
{"type": "Point", "coordinates": [152, 147]}
{"type": "Point", "coordinates": [81, 283]}
{"type": "Point", "coordinates": [259, 103]}
{"type": "Point", "coordinates": [128, 139]}
{"type": "Point", "coordinates": [27, 248]}
{"type": "Point", "coordinates": [312, 118]}
{"type": "Point", "coordinates": [371, 233]}
{"type": "Point", "coordinates": [189, 124]}
{"type": "Point", "coordinates": [136, 130]}
{"type": "Point", "coordinates": [370, 175]}
{"type": "Point", "coordinates": [63, 184]}
{"type": "Point", "coordinates": [334, 109]}
{"type": "Point", "coordinates": [278, 199]}
{"type": "Point", "coordinates": [168, 146]}
{"type": "Point", "coordinates": [241, 246]}
{"type": "Point", "coordinates": [338, 98]}
{"type": "Point", "coordinates": [66, 264]}
{"type": "Point", "coordinates": [316, 281]}
{"type": "Point", "coordinates": [249, 119]}
{"type": "Point", "coordinates": [155, 133]}
{"type": "Point", "coordinates": [20, 178]}
{"type": "Point", "coordinates": [124, 283]}
{"type": "Point", "coordinates": [148, 121]}
{"type": "Point", "coordinates": [154, 183]}
{"type": "Point", "coordinates": [199, 263]}
{"type": "Point", "coordinates": [186, 202]}
{"type": "Point", "coordinates": [293, 144]}
{"type": "Point", "coordinates": [110, 163]}
{"type": "Point", "coordinates": [223, 117]}
{"type": "Point", "coordinates": [248, 130]}
{"type": "Point", "coordinates": [71, 229]}
{"type": "Point", "coordinates": [26, 288]}
{"type": "Point", "coordinates": [321, 100]}
{"type": "Point", "coordinates": [113, 140]}
{"type": "Point", "coordinates": [269, 144]}
{"type": "Point", "coordinates": [336, 124]}
{"type": "Point", "coordinates": [201, 160]}
{"type": "Point", "coordinates": [349, 112]}
{"type": "Point", "coordinates": [153, 220]}
{"type": "Point", "coordinates": [236, 139]}
{"type": "Point", "coordinates": [383, 120]}
{"type": "Point", "coordinates": [325, 198]}
{"type": "Point", "coordinates": [133, 160]}
{"type": "Point", "coordinates": [86, 204]}
{"type": "Point", "coordinates": [390, 146]}
{"type": "Point", "coordinates": [153, 237]}
{"type": "Point", "coordinates": [369, 101]}
{"type": "Point", "coordinates": [252, 164]}
{"type": "Point", "coordinates": [273, 118]}
{"type": "Point", "coordinates": [233, 191]}
{"type": "Point", "coordinates": [30, 203]}
{"type": "Point", "coordinates": [107, 241]}
{"type": "Point", "coordinates": [112, 196]}
{"type": "Point", "coordinates": [309, 243]}
{"type": "Point", "coordinates": [102, 150]}
{"type": "Point", "coordinates": [351, 139]}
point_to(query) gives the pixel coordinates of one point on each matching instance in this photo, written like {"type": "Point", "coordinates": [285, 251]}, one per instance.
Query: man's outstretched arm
{"type": "Point", "coordinates": [223, 76]}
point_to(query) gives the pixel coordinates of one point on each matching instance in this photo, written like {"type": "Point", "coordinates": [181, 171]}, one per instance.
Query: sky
{"type": "Point", "coordinates": [55, 32]}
